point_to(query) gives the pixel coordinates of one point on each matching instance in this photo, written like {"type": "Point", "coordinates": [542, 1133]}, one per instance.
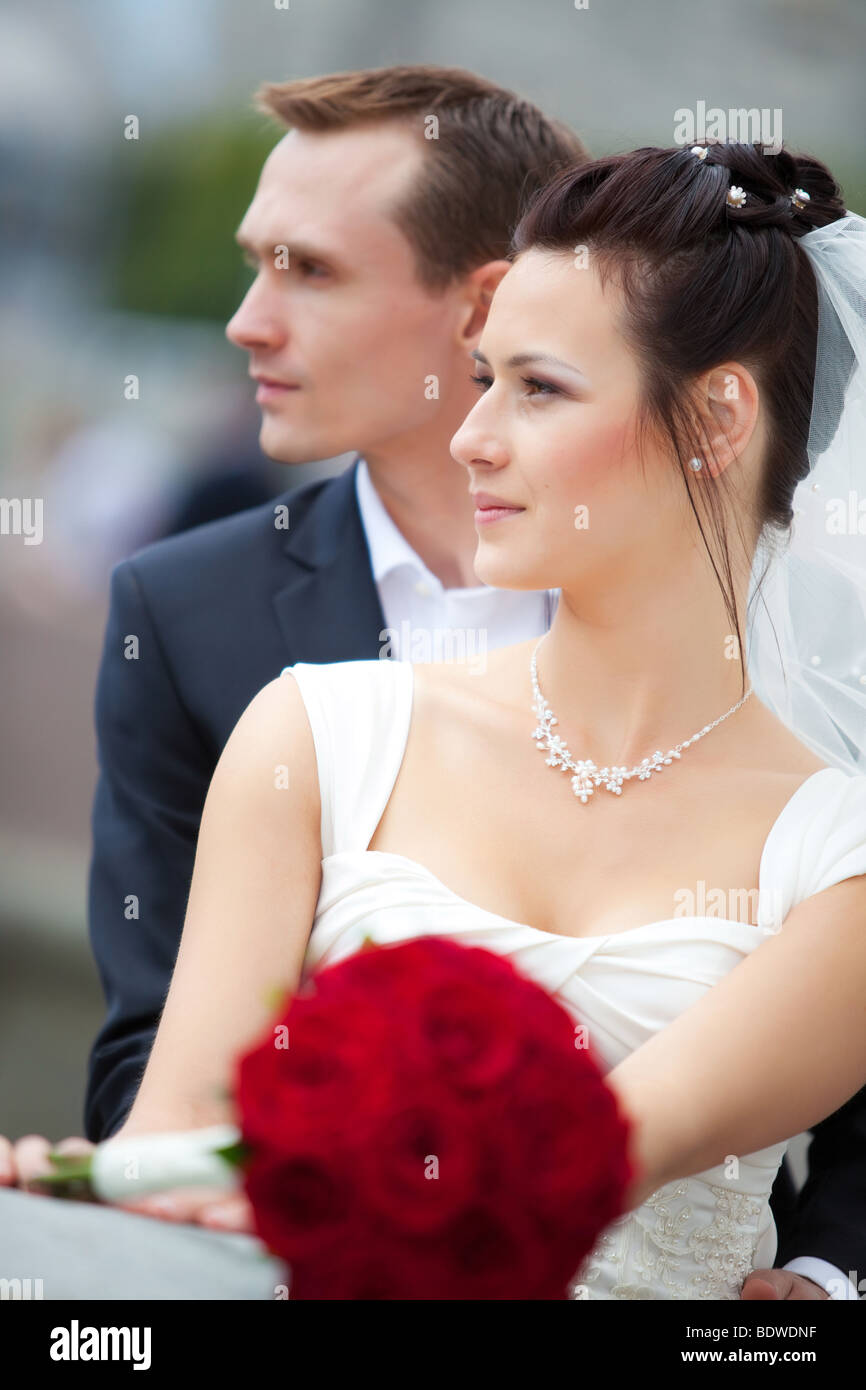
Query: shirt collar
{"type": "Point", "coordinates": [388, 546]}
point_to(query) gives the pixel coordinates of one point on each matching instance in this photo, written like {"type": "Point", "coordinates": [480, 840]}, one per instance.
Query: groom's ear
{"type": "Point", "coordinates": [478, 290]}
{"type": "Point", "coordinates": [728, 401]}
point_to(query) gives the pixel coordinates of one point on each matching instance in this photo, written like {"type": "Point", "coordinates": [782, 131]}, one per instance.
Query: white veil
{"type": "Point", "coordinates": [812, 671]}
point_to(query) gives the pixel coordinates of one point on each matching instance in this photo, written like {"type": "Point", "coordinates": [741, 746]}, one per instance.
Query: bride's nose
{"type": "Point", "coordinates": [475, 443]}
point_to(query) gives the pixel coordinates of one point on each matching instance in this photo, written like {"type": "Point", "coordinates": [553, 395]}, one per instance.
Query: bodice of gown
{"type": "Point", "coordinates": [697, 1237]}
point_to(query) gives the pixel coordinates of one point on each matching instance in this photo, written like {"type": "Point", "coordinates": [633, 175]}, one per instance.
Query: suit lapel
{"type": "Point", "coordinates": [329, 610]}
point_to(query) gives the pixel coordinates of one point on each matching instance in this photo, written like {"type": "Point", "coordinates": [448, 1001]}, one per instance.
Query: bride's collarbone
{"type": "Point", "coordinates": [480, 811]}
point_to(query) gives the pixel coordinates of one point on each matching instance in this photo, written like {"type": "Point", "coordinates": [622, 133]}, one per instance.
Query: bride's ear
{"type": "Point", "coordinates": [727, 399]}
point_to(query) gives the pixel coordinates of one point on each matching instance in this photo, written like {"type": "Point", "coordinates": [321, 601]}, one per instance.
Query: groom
{"type": "Point", "coordinates": [379, 232]}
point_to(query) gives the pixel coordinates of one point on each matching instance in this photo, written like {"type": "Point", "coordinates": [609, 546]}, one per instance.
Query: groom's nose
{"type": "Point", "coordinates": [254, 325]}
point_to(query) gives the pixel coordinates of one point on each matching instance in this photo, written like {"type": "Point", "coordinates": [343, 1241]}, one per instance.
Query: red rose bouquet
{"type": "Point", "coordinates": [421, 1123]}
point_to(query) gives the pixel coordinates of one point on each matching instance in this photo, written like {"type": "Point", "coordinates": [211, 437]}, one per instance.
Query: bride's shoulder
{"type": "Point", "coordinates": [780, 751]}
{"type": "Point", "coordinates": [271, 747]}
{"type": "Point", "coordinates": [774, 765]}
{"type": "Point", "coordinates": [275, 721]}
{"type": "Point", "coordinates": [477, 687]}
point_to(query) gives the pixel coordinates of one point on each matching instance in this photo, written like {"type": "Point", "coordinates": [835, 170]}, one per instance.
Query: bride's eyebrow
{"type": "Point", "coordinates": [522, 359]}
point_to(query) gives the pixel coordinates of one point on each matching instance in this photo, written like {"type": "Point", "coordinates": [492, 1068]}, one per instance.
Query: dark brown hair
{"type": "Point", "coordinates": [494, 151]}
{"type": "Point", "coordinates": [704, 282]}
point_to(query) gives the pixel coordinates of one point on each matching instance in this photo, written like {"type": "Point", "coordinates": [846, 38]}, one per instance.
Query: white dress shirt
{"type": "Point", "coordinates": [427, 622]}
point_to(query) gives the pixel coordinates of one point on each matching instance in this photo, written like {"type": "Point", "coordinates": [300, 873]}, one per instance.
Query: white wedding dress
{"type": "Point", "coordinates": [694, 1238]}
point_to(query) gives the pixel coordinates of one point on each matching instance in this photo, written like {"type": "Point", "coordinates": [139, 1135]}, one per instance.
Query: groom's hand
{"type": "Point", "coordinates": [780, 1283]}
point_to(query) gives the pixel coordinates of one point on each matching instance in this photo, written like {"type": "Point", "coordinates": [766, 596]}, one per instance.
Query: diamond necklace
{"type": "Point", "coordinates": [586, 775]}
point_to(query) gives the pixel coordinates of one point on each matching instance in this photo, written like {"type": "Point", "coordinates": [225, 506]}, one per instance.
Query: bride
{"type": "Point", "coordinates": [645, 382]}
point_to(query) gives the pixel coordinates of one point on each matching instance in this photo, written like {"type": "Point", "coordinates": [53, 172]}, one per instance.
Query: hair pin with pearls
{"type": "Point", "coordinates": [736, 196]}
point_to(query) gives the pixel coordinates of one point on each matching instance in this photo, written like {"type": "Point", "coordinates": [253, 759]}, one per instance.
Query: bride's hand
{"type": "Point", "coordinates": [26, 1160]}
{"type": "Point", "coordinates": [23, 1162]}
{"type": "Point", "coordinates": [212, 1207]}
{"type": "Point", "coordinates": [201, 1206]}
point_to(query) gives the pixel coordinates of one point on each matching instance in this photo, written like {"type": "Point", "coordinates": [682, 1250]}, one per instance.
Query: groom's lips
{"type": "Point", "coordinates": [271, 388]}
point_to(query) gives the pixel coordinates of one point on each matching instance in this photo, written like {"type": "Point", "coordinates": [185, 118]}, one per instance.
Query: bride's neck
{"type": "Point", "coordinates": [625, 678]}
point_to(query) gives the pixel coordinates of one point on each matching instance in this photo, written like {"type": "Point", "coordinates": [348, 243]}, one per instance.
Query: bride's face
{"type": "Point", "coordinates": [558, 439]}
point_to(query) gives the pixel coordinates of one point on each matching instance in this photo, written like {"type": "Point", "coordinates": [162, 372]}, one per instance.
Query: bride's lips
{"type": "Point", "coordinates": [489, 508]}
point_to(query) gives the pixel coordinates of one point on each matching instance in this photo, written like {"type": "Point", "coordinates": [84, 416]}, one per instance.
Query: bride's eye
{"type": "Point", "coordinates": [544, 388]}
{"type": "Point", "coordinates": [541, 388]}
{"type": "Point", "coordinates": [482, 383]}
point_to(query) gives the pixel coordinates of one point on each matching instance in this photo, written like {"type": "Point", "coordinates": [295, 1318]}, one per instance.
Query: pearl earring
{"type": "Point", "coordinates": [696, 465]}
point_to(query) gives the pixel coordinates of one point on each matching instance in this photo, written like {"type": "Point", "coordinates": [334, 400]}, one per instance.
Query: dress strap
{"type": "Point", "coordinates": [359, 713]}
{"type": "Point", "coordinates": [818, 840]}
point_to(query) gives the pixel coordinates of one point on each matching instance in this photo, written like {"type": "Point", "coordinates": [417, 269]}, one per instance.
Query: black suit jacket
{"type": "Point", "coordinates": [216, 613]}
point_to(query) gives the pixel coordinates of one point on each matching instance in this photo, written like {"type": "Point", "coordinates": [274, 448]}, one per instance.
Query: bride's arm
{"type": "Point", "coordinates": [251, 905]}
{"type": "Point", "coordinates": [775, 1046]}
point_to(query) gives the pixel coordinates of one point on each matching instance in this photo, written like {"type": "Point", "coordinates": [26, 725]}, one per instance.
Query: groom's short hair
{"type": "Point", "coordinates": [487, 152]}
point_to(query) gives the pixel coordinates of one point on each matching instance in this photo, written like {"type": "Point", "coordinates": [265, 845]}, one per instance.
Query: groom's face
{"type": "Point", "coordinates": [339, 321]}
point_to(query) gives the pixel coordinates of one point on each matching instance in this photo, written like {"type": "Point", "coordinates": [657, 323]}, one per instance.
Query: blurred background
{"type": "Point", "coordinates": [117, 257]}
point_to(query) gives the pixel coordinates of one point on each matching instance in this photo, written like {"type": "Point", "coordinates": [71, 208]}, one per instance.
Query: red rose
{"type": "Point", "coordinates": [461, 1025]}
{"type": "Point", "coordinates": [300, 1203]}
{"type": "Point", "coordinates": [420, 1169]}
